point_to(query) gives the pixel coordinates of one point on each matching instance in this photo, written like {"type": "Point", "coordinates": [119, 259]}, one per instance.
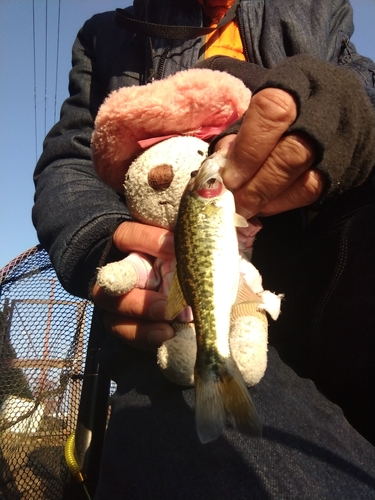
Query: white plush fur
{"type": "Point", "coordinates": [248, 335]}
{"type": "Point", "coordinates": [184, 104]}
{"type": "Point", "coordinates": [180, 104]}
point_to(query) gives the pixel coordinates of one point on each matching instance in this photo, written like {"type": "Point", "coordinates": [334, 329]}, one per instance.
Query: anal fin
{"type": "Point", "coordinates": [176, 301]}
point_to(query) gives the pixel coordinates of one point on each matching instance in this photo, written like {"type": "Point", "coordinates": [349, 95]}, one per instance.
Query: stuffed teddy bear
{"type": "Point", "coordinates": [146, 143]}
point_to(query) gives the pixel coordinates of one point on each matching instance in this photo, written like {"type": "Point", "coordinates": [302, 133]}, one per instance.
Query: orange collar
{"type": "Point", "coordinates": [216, 9]}
{"type": "Point", "coordinates": [227, 40]}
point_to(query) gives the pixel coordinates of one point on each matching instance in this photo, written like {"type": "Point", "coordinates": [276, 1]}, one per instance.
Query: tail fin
{"type": "Point", "coordinates": [224, 397]}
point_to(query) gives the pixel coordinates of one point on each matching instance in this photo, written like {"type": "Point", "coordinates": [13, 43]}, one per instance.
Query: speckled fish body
{"type": "Point", "coordinates": [208, 277]}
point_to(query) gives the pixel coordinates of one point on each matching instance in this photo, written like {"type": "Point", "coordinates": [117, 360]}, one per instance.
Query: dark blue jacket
{"type": "Point", "coordinates": [74, 213]}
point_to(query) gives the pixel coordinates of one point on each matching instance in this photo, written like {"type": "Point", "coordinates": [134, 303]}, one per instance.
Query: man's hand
{"type": "Point", "coordinates": [269, 172]}
{"type": "Point", "coordinates": [138, 316]}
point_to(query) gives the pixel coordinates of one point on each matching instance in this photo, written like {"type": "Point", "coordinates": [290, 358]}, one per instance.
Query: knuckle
{"type": "Point", "coordinates": [295, 152]}
{"type": "Point", "coordinates": [292, 157]}
{"type": "Point", "coordinates": [276, 105]}
{"type": "Point", "coordinates": [303, 145]}
{"type": "Point", "coordinates": [131, 304]}
{"type": "Point", "coordinates": [314, 184]}
{"type": "Point", "coordinates": [122, 230]}
{"type": "Point", "coordinates": [306, 190]}
{"type": "Point", "coordinates": [255, 197]}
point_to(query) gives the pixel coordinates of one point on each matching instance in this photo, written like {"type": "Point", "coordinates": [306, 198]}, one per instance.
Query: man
{"type": "Point", "coordinates": [307, 140]}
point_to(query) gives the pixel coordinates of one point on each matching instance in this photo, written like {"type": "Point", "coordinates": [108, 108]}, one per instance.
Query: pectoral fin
{"type": "Point", "coordinates": [176, 301]}
{"type": "Point", "coordinates": [245, 293]}
{"type": "Point", "coordinates": [240, 221]}
{"type": "Point", "coordinates": [246, 302]}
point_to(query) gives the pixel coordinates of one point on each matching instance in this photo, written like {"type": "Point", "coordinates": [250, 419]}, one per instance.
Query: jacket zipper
{"type": "Point", "coordinates": [242, 36]}
{"type": "Point", "coordinates": [158, 73]}
{"type": "Point", "coordinates": [341, 50]}
{"type": "Point", "coordinates": [163, 57]}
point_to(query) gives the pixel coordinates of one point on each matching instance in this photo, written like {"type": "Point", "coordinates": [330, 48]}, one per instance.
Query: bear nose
{"type": "Point", "coordinates": [160, 177]}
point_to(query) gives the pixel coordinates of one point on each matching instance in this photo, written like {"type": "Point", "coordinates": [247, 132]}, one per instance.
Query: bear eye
{"type": "Point", "coordinates": [193, 174]}
{"type": "Point", "coordinates": [200, 152]}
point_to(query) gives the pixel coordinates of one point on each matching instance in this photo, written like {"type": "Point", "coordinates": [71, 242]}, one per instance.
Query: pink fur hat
{"type": "Point", "coordinates": [199, 102]}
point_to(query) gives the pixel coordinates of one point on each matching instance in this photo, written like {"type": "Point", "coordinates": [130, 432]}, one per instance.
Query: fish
{"type": "Point", "coordinates": [207, 279]}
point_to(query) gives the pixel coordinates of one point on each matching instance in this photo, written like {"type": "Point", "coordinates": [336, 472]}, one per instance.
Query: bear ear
{"type": "Point", "coordinates": [110, 168]}
{"type": "Point", "coordinates": [183, 104]}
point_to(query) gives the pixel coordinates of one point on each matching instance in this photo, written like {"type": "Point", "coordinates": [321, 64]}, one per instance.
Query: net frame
{"type": "Point", "coordinates": [44, 335]}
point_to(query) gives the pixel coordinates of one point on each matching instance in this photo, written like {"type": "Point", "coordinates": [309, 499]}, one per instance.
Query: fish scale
{"type": "Point", "coordinates": [207, 279]}
{"type": "Point", "coordinates": [196, 238]}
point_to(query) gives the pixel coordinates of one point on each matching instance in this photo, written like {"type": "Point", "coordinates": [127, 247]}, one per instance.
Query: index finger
{"type": "Point", "coordinates": [270, 114]}
{"type": "Point", "coordinates": [152, 240]}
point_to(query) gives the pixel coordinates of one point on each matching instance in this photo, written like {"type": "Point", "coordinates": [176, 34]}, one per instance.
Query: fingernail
{"type": "Point", "coordinates": [157, 310]}
{"type": "Point", "coordinates": [166, 242]}
{"type": "Point", "coordinates": [157, 337]}
{"type": "Point", "coordinates": [232, 179]}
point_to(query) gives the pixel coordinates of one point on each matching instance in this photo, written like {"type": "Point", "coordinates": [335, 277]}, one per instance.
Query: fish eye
{"type": "Point", "coordinates": [193, 174]}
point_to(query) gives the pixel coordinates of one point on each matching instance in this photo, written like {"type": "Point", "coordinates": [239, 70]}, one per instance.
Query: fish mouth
{"type": "Point", "coordinates": [207, 181]}
{"type": "Point", "coordinates": [211, 188]}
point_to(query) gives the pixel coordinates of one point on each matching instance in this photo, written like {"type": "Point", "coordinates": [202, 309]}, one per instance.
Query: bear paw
{"type": "Point", "coordinates": [248, 343]}
{"type": "Point", "coordinates": [117, 278]}
{"type": "Point", "coordinates": [176, 357]}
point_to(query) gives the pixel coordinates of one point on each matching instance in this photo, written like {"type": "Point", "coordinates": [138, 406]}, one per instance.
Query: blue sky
{"type": "Point", "coordinates": [29, 105]}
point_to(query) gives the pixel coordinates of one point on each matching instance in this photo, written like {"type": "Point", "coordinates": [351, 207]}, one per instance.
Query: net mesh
{"type": "Point", "coordinates": [43, 339]}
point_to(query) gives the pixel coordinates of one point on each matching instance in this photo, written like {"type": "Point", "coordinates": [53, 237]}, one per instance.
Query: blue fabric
{"type": "Point", "coordinates": [308, 450]}
{"type": "Point", "coordinates": [74, 213]}
{"type": "Point", "coordinates": [326, 331]}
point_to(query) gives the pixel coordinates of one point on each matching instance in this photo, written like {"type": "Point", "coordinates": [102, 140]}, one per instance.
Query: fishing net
{"type": "Point", "coordinates": [44, 333]}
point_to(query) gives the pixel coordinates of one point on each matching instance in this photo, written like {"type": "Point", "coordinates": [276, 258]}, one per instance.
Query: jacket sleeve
{"type": "Point", "coordinates": [334, 110]}
{"type": "Point", "coordinates": [345, 53]}
{"type": "Point", "coordinates": [337, 115]}
{"type": "Point", "coordinates": [74, 213]}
